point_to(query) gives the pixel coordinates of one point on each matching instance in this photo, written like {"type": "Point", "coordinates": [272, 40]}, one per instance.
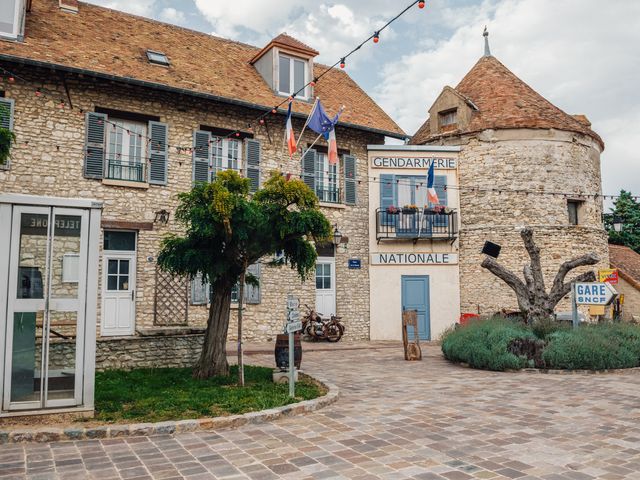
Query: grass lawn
{"type": "Point", "coordinates": [158, 394]}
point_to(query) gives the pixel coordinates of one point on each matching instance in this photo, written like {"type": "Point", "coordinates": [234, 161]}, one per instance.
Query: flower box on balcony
{"type": "Point", "coordinates": [392, 210]}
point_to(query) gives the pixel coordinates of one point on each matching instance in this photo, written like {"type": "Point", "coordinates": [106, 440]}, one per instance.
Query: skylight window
{"type": "Point", "coordinates": [158, 58]}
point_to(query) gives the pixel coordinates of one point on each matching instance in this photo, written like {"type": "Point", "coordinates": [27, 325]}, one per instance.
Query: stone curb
{"type": "Point", "coordinates": [611, 371]}
{"type": "Point", "coordinates": [51, 434]}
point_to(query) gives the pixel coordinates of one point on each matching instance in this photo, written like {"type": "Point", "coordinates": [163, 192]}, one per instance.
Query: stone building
{"type": "Point", "coordinates": [126, 112]}
{"type": "Point", "coordinates": [627, 262]}
{"type": "Point", "coordinates": [522, 161]}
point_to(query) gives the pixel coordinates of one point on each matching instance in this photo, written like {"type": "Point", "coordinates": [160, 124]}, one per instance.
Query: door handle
{"type": "Point", "coordinates": [133, 295]}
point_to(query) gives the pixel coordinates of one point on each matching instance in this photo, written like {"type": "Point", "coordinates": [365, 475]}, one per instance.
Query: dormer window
{"type": "Point", "coordinates": [158, 58]}
{"type": "Point", "coordinates": [448, 117]}
{"type": "Point", "coordinates": [292, 75]}
{"type": "Point", "coordinates": [286, 65]}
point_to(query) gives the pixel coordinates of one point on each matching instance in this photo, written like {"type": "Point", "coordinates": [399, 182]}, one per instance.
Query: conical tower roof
{"type": "Point", "coordinates": [504, 101]}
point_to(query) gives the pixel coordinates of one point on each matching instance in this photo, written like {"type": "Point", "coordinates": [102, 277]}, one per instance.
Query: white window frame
{"type": "Point", "coordinates": [327, 177]}
{"type": "Point", "coordinates": [304, 95]}
{"type": "Point", "coordinates": [125, 144]}
{"type": "Point", "coordinates": [16, 34]}
{"type": "Point", "coordinates": [227, 155]}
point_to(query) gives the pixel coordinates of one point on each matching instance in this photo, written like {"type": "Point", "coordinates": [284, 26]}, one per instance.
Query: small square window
{"type": "Point", "coordinates": [573, 209]}
{"type": "Point", "coordinates": [448, 117]}
{"type": "Point", "coordinates": [158, 58]}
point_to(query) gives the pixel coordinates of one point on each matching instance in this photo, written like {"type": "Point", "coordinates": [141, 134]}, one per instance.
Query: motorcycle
{"type": "Point", "coordinates": [318, 328]}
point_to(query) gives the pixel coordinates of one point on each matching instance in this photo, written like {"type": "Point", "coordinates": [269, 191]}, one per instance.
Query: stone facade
{"type": "Point", "coordinates": [631, 307]}
{"type": "Point", "coordinates": [526, 160]}
{"type": "Point", "coordinates": [48, 160]}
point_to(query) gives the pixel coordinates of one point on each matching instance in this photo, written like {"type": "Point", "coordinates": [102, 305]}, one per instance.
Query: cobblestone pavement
{"type": "Point", "coordinates": [394, 420]}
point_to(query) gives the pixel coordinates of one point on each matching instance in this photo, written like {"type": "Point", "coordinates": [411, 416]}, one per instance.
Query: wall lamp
{"type": "Point", "coordinates": [162, 216]}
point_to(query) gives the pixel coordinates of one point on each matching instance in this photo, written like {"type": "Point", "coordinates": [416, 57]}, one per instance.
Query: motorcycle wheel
{"type": "Point", "coordinates": [333, 331]}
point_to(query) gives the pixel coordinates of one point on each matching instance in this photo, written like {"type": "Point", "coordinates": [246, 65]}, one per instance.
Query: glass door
{"type": "Point", "coordinates": [48, 260]}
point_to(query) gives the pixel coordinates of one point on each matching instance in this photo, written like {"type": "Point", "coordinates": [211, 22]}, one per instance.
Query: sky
{"type": "Point", "coordinates": [582, 55]}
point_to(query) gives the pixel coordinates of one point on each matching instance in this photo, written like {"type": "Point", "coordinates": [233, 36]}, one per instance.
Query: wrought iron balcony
{"type": "Point", "coordinates": [416, 225]}
{"type": "Point", "coordinates": [328, 195]}
{"type": "Point", "coordinates": [128, 171]}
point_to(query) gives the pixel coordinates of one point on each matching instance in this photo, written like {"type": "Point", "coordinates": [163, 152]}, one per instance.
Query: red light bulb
{"type": "Point", "coordinates": [11, 79]}
{"type": "Point", "coordinates": [376, 37]}
{"type": "Point", "coordinates": [421, 4]}
{"type": "Point", "coordinates": [313, 84]}
{"type": "Point", "coordinates": [342, 63]}
{"type": "Point", "coordinates": [262, 121]}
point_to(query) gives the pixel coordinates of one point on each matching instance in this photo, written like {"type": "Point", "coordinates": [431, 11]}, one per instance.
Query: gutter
{"type": "Point", "coordinates": [181, 91]}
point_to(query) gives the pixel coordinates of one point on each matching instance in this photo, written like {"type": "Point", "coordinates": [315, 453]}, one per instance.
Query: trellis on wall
{"type": "Point", "coordinates": [171, 302]}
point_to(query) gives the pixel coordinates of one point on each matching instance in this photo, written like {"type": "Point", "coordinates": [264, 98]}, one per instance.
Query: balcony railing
{"type": "Point", "coordinates": [416, 225]}
{"type": "Point", "coordinates": [328, 195]}
{"type": "Point", "coordinates": [131, 172]}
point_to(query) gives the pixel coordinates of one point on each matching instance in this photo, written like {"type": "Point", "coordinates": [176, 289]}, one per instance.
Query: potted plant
{"type": "Point", "coordinates": [391, 210]}
{"type": "Point", "coordinates": [409, 209]}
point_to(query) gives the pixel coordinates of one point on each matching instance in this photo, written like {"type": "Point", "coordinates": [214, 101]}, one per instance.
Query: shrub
{"type": "Point", "coordinates": [484, 344]}
{"type": "Point", "coordinates": [542, 328]}
{"type": "Point", "coordinates": [594, 347]}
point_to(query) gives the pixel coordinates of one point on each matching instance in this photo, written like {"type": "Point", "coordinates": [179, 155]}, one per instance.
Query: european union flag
{"type": "Point", "coordinates": [320, 122]}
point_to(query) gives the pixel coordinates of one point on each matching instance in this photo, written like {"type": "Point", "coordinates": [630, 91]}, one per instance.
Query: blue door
{"type": "Point", "coordinates": [415, 296]}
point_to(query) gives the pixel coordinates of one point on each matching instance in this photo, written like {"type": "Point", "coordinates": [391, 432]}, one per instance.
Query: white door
{"type": "Point", "coordinates": [118, 293]}
{"type": "Point", "coordinates": [326, 286]}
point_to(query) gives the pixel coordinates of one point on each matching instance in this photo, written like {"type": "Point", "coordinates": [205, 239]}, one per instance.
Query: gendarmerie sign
{"type": "Point", "coordinates": [442, 163]}
{"type": "Point", "coordinates": [414, 258]}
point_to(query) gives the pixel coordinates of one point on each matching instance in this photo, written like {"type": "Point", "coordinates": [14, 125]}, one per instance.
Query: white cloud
{"type": "Point", "coordinates": [580, 55]}
{"type": "Point", "coordinates": [171, 15]}
{"type": "Point", "coordinates": [137, 7]}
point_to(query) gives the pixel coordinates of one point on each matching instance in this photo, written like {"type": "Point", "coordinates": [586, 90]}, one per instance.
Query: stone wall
{"type": "Point", "coordinates": [534, 160]}
{"type": "Point", "coordinates": [631, 307]}
{"type": "Point", "coordinates": [48, 160]}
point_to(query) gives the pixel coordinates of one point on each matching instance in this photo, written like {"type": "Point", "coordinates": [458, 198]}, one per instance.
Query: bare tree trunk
{"type": "Point", "coordinates": [213, 358]}
{"type": "Point", "coordinates": [240, 310]}
{"type": "Point", "coordinates": [531, 294]}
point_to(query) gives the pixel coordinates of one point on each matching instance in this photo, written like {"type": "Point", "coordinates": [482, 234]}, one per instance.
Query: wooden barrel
{"type": "Point", "coordinates": [282, 351]}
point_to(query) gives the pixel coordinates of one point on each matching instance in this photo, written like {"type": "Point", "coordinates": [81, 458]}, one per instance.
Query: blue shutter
{"type": "Point", "coordinates": [309, 169]}
{"type": "Point", "coordinates": [6, 120]}
{"type": "Point", "coordinates": [388, 196]}
{"type": "Point", "coordinates": [201, 156]}
{"type": "Point", "coordinates": [158, 153]}
{"type": "Point", "coordinates": [350, 182]}
{"type": "Point", "coordinates": [252, 293]}
{"type": "Point", "coordinates": [253, 154]}
{"type": "Point", "coordinates": [94, 146]}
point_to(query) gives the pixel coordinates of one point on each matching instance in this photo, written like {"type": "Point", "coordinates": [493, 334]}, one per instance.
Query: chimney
{"type": "Point", "coordinates": [70, 6]}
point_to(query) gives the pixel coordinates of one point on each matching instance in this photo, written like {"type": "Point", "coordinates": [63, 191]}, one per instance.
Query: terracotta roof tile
{"type": "Point", "coordinates": [627, 261]}
{"type": "Point", "coordinates": [108, 42]}
{"type": "Point", "coordinates": [504, 101]}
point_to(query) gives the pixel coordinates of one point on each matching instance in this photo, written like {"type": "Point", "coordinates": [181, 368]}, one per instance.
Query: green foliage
{"type": "Point", "coordinates": [544, 327]}
{"type": "Point", "coordinates": [483, 344]}
{"type": "Point", "coordinates": [486, 344]}
{"type": "Point", "coordinates": [7, 138]}
{"type": "Point", "coordinates": [628, 210]}
{"type": "Point", "coordinates": [153, 395]}
{"type": "Point", "coordinates": [594, 347]}
{"type": "Point", "coordinates": [227, 229]}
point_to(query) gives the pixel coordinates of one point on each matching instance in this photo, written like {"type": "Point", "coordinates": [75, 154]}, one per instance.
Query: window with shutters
{"type": "Point", "coordinates": [12, 14]}
{"type": "Point", "coordinates": [126, 151]}
{"type": "Point", "coordinates": [292, 76]}
{"type": "Point", "coordinates": [6, 122]}
{"type": "Point", "coordinates": [327, 183]}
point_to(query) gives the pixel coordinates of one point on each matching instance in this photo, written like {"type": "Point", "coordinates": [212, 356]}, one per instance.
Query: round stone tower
{"type": "Point", "coordinates": [524, 162]}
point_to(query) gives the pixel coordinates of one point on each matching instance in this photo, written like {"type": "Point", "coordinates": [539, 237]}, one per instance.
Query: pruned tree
{"type": "Point", "coordinates": [226, 230]}
{"type": "Point", "coordinates": [533, 299]}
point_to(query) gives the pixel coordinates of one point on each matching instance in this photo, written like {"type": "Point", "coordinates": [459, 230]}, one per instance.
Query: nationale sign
{"type": "Point", "coordinates": [609, 276]}
{"type": "Point", "coordinates": [595, 293]}
{"type": "Point", "coordinates": [414, 258]}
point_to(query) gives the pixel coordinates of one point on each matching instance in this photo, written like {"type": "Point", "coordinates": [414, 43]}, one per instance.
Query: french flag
{"type": "Point", "coordinates": [291, 138]}
{"type": "Point", "coordinates": [432, 195]}
{"type": "Point", "coordinates": [333, 147]}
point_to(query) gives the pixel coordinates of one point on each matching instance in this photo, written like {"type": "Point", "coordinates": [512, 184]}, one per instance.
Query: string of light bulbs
{"type": "Point", "coordinates": [260, 119]}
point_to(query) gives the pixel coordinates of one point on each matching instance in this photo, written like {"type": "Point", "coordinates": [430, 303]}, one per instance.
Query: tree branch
{"type": "Point", "coordinates": [536, 269]}
{"type": "Point", "coordinates": [511, 279]}
{"type": "Point", "coordinates": [565, 268]}
{"type": "Point", "coordinates": [558, 294]}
